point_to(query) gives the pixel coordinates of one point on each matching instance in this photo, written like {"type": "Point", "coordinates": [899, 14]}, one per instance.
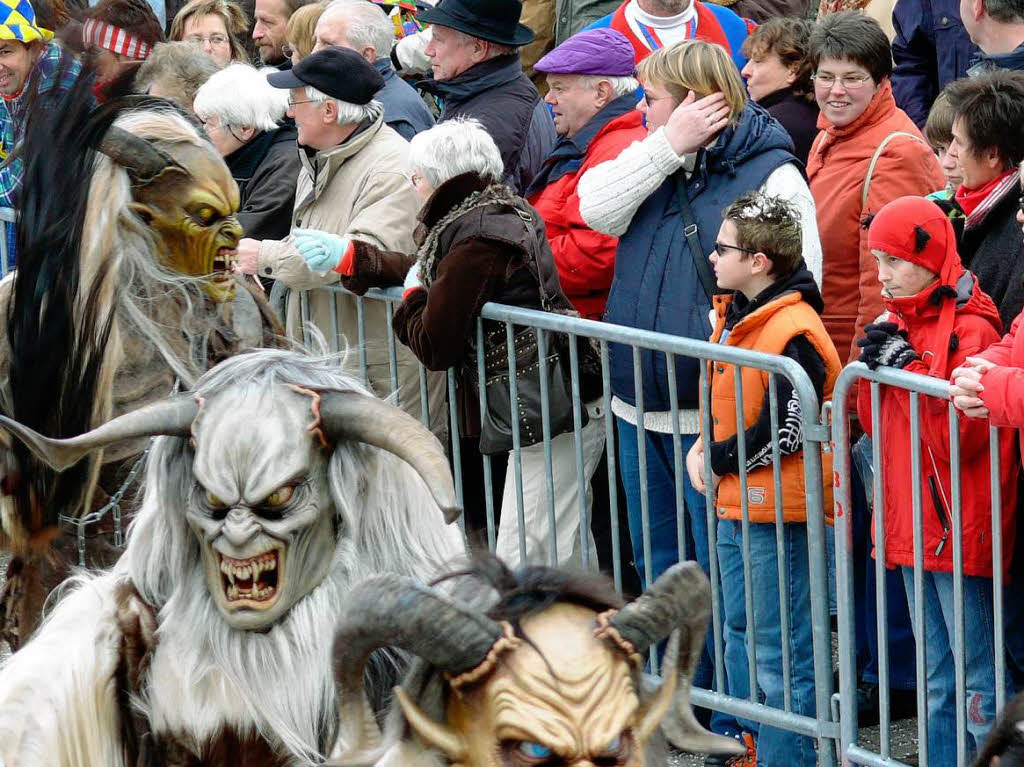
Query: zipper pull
{"type": "Point", "coordinates": [942, 542]}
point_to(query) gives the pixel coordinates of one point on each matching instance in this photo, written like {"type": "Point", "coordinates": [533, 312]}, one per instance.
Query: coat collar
{"type": "Point", "coordinates": [481, 77]}
{"type": "Point", "coordinates": [451, 193]}
{"type": "Point", "coordinates": [567, 154]}
{"type": "Point", "coordinates": [322, 165]}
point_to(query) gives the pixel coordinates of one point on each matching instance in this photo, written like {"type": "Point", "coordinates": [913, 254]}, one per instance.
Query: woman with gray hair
{"type": "Point", "coordinates": [241, 112]}
{"type": "Point", "coordinates": [479, 242]}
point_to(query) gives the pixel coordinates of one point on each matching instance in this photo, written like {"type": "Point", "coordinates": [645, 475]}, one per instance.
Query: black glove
{"type": "Point", "coordinates": [885, 344]}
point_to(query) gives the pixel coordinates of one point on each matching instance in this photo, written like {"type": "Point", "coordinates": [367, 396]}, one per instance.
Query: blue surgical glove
{"type": "Point", "coordinates": [412, 281]}
{"type": "Point", "coordinates": [322, 251]}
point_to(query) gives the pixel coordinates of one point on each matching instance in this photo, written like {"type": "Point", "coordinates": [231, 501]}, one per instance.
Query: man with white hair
{"type": "Point", "coordinates": [474, 54]}
{"type": "Point", "coordinates": [241, 113]}
{"type": "Point", "coordinates": [365, 28]}
{"type": "Point", "coordinates": [592, 93]}
{"type": "Point", "coordinates": [352, 183]}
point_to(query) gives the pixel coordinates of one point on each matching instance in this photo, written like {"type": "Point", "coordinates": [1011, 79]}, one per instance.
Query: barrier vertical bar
{"type": "Point", "coordinates": [711, 518]}
{"type": "Point", "coordinates": [577, 432]}
{"type": "Point", "coordinates": [641, 453]}
{"type": "Point", "coordinates": [481, 377]}
{"type": "Point", "coordinates": [821, 626]}
{"type": "Point", "coordinates": [780, 546]}
{"type": "Point", "coordinates": [545, 418]}
{"type": "Point", "coordinates": [613, 494]}
{"type": "Point", "coordinates": [456, 447]}
{"type": "Point", "coordinates": [997, 565]}
{"type": "Point", "coordinates": [843, 500]}
{"type": "Point", "coordinates": [392, 353]}
{"type": "Point", "coordinates": [748, 573]}
{"type": "Point", "coordinates": [677, 455]}
{"type": "Point", "coordinates": [517, 450]}
{"type": "Point", "coordinates": [361, 334]}
{"type": "Point", "coordinates": [918, 514]}
{"type": "Point", "coordinates": [881, 597]}
{"type": "Point", "coordinates": [959, 660]}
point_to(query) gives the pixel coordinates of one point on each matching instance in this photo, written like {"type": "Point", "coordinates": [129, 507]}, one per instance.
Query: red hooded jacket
{"type": "Point", "coordinates": [1004, 385]}
{"type": "Point", "coordinates": [976, 326]}
{"type": "Point", "coordinates": [585, 258]}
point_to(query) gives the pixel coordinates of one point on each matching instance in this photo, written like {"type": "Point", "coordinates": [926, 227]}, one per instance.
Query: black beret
{"type": "Point", "coordinates": [340, 73]}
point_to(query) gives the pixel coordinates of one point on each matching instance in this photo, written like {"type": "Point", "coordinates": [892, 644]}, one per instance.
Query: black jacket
{"type": "Point", "coordinates": [994, 251]}
{"type": "Point", "coordinates": [507, 104]}
{"type": "Point", "coordinates": [797, 115]}
{"type": "Point", "coordinates": [266, 170]}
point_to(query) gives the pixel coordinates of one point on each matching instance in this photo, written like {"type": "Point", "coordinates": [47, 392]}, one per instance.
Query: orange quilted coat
{"type": "Point", "coordinates": [768, 330]}
{"type": "Point", "coordinates": [836, 170]}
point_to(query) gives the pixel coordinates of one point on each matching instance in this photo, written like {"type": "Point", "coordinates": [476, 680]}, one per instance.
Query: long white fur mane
{"type": "Point", "coordinates": [204, 675]}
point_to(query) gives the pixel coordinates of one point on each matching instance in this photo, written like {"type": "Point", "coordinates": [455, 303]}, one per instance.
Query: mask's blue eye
{"type": "Point", "coordinates": [614, 746]}
{"type": "Point", "coordinates": [534, 750]}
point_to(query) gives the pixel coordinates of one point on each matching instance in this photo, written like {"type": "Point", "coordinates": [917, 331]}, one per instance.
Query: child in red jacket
{"type": "Point", "coordinates": [937, 316]}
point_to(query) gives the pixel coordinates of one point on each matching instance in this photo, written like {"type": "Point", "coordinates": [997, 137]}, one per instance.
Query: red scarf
{"type": "Point", "coordinates": [970, 200]}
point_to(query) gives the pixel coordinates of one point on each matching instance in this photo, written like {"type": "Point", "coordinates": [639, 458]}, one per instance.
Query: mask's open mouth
{"type": "Point", "coordinates": [252, 580]}
{"type": "Point", "coordinates": [224, 264]}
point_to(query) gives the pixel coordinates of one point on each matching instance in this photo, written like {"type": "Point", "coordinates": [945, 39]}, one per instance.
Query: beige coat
{"type": "Point", "coordinates": [358, 188]}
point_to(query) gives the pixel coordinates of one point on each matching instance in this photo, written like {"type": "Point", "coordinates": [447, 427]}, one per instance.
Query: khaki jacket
{"type": "Point", "coordinates": [359, 189]}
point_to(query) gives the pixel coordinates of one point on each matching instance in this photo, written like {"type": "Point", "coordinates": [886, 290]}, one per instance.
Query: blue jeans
{"type": "Point", "coordinates": [661, 505]}
{"type": "Point", "coordinates": [980, 661]}
{"type": "Point", "coordinates": [900, 633]}
{"type": "Point", "coordinates": [775, 747]}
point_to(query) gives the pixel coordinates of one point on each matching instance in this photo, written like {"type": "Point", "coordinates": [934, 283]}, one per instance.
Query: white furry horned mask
{"type": "Point", "coordinates": [259, 503]}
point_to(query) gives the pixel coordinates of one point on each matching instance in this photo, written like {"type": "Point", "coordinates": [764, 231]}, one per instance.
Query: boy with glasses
{"type": "Point", "coordinates": [774, 307]}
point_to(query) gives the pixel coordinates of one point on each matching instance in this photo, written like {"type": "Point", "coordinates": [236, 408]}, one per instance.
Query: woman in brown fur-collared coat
{"type": "Point", "coordinates": [477, 242]}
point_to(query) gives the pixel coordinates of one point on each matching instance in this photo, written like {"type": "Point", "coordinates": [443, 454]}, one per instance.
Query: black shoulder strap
{"type": "Point", "coordinates": [700, 262]}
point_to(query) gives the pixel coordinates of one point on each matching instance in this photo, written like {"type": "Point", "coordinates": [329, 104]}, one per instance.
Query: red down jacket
{"type": "Point", "coordinates": [976, 327]}
{"type": "Point", "coordinates": [585, 258]}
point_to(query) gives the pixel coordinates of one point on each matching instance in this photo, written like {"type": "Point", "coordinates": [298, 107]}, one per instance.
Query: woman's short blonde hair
{"type": "Point", "coordinates": [301, 30]}
{"type": "Point", "coordinates": [698, 66]}
{"type": "Point", "coordinates": [235, 22]}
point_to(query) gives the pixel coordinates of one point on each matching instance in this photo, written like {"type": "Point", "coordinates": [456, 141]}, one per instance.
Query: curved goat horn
{"type": "Point", "coordinates": [679, 603]}
{"type": "Point", "coordinates": [173, 417]}
{"type": "Point", "coordinates": [362, 418]}
{"type": "Point", "coordinates": [390, 610]}
{"type": "Point", "coordinates": [141, 158]}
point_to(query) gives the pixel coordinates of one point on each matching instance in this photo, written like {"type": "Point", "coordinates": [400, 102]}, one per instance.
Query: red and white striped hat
{"type": "Point", "coordinates": [111, 38]}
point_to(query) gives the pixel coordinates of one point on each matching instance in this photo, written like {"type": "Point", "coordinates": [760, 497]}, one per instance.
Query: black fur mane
{"type": "Point", "coordinates": [55, 363]}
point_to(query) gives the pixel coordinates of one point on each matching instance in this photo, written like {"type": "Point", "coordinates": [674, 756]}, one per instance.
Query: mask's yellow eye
{"type": "Point", "coordinates": [279, 497]}
{"type": "Point", "coordinates": [213, 501]}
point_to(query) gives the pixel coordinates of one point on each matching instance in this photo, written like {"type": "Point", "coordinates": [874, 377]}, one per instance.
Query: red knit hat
{"type": "Point", "coordinates": [916, 230]}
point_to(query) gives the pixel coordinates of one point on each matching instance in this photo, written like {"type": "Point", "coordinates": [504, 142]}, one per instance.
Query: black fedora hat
{"type": "Point", "coordinates": [496, 21]}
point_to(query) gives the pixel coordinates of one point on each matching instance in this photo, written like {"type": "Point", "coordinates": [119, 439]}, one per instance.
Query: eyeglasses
{"type": "Point", "coordinates": [293, 103]}
{"type": "Point", "coordinates": [217, 40]}
{"type": "Point", "coordinates": [849, 82]}
{"type": "Point", "coordinates": [720, 246]}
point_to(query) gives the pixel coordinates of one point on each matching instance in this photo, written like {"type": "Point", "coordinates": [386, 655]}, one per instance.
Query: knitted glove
{"type": "Point", "coordinates": [323, 251]}
{"type": "Point", "coordinates": [885, 344]}
{"type": "Point", "coordinates": [412, 281]}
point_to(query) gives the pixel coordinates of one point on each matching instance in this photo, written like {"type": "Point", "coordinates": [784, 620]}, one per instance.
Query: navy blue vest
{"type": "Point", "coordinates": [656, 285]}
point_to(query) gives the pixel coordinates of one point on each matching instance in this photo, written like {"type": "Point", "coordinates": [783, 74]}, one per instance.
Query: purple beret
{"type": "Point", "coordinates": [594, 52]}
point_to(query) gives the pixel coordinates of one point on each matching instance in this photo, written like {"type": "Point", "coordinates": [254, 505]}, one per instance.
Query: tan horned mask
{"type": "Point", "coordinates": [558, 685]}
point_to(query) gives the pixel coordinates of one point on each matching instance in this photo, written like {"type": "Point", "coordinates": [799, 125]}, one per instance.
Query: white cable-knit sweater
{"type": "Point", "coordinates": [611, 193]}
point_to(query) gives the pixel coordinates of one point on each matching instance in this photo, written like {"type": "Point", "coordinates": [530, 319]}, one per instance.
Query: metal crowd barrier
{"type": "Point", "coordinates": [8, 216]}
{"type": "Point", "coordinates": [815, 438]}
{"type": "Point", "coordinates": [918, 388]}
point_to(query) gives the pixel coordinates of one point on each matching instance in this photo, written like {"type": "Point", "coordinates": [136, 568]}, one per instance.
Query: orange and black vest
{"type": "Point", "coordinates": [768, 329]}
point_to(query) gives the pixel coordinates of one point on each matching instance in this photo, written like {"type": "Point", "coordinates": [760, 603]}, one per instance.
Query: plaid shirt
{"type": "Point", "coordinates": [55, 69]}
